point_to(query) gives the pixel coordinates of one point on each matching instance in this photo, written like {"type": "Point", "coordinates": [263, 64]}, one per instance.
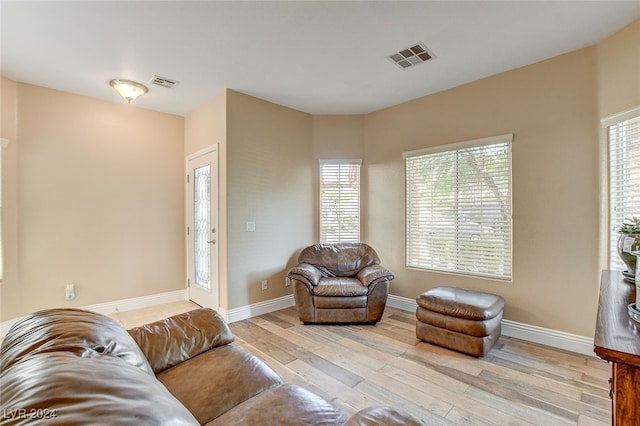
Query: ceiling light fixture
{"type": "Point", "coordinates": [129, 90]}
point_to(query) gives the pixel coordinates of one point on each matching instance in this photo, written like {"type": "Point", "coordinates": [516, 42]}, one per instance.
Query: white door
{"type": "Point", "coordinates": [202, 227]}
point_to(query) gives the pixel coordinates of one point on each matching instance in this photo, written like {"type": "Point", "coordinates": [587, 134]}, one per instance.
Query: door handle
{"type": "Point", "coordinates": [213, 241]}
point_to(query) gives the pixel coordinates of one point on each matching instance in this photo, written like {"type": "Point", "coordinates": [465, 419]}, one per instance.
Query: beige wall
{"type": "Point", "coordinates": [9, 289]}
{"type": "Point", "coordinates": [618, 65]}
{"type": "Point", "coordinates": [269, 182]}
{"type": "Point", "coordinates": [337, 137]}
{"type": "Point", "coordinates": [204, 127]}
{"type": "Point", "coordinates": [550, 107]}
{"type": "Point", "coordinates": [100, 201]}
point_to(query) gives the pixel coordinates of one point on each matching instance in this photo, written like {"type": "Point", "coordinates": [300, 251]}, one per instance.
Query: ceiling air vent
{"type": "Point", "coordinates": [164, 82]}
{"type": "Point", "coordinates": [411, 56]}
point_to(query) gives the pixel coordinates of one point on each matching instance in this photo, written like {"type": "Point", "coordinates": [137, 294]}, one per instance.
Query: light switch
{"type": "Point", "coordinates": [251, 226]}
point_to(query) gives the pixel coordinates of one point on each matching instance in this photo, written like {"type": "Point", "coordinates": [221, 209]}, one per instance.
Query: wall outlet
{"type": "Point", "coordinates": [69, 292]}
{"type": "Point", "coordinates": [287, 281]}
{"type": "Point", "coordinates": [265, 284]}
{"type": "Point", "coordinates": [251, 226]}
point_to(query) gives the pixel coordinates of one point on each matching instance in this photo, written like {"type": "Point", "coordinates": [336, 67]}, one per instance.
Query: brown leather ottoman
{"type": "Point", "coordinates": [463, 320]}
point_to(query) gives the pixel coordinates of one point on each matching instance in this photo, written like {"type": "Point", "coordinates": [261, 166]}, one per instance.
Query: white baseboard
{"type": "Point", "coordinates": [544, 336]}
{"type": "Point", "coordinates": [531, 333]}
{"type": "Point", "coordinates": [137, 302]}
{"type": "Point", "coordinates": [402, 303]}
{"type": "Point", "coordinates": [255, 309]}
{"type": "Point", "coordinates": [119, 306]}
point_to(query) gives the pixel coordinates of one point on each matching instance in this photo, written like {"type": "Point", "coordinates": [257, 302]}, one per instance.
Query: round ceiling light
{"type": "Point", "coordinates": [129, 90]}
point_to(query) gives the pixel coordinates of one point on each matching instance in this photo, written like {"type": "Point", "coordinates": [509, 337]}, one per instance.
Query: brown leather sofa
{"type": "Point", "coordinates": [340, 283]}
{"type": "Point", "coordinates": [75, 367]}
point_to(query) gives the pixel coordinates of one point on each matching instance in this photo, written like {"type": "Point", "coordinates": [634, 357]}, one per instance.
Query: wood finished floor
{"type": "Point", "coordinates": [517, 383]}
{"type": "Point", "coordinates": [353, 366]}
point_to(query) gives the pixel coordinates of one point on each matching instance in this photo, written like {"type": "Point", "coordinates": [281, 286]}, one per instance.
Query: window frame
{"type": "Point", "coordinates": [615, 214]}
{"type": "Point", "coordinates": [338, 162]}
{"type": "Point", "coordinates": [455, 268]}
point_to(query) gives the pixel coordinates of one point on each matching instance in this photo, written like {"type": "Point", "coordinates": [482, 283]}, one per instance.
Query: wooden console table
{"type": "Point", "coordinates": [617, 340]}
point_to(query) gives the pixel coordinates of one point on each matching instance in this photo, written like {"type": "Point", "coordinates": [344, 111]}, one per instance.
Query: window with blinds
{"type": "Point", "coordinates": [339, 201]}
{"type": "Point", "coordinates": [459, 208]}
{"type": "Point", "coordinates": [624, 176]}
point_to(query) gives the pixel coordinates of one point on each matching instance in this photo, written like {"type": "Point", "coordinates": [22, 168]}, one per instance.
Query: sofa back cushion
{"type": "Point", "coordinates": [339, 259]}
{"type": "Point", "coordinates": [82, 333]}
{"type": "Point", "coordinates": [176, 339]}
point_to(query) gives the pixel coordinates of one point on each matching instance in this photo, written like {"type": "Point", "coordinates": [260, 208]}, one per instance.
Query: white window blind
{"type": "Point", "coordinates": [339, 201]}
{"type": "Point", "coordinates": [459, 208]}
{"type": "Point", "coordinates": [3, 144]}
{"type": "Point", "coordinates": [624, 176]}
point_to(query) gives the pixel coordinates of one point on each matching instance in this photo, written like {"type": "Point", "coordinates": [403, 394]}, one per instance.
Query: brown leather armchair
{"type": "Point", "coordinates": [340, 283]}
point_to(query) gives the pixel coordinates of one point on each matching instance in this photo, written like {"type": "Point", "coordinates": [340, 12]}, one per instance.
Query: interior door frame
{"type": "Point", "coordinates": [214, 211]}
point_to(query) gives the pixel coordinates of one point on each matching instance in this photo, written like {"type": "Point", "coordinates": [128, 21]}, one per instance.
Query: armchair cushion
{"type": "Point", "coordinates": [340, 287]}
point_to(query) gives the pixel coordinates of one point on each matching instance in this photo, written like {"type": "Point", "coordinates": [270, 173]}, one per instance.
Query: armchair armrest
{"type": "Point", "coordinates": [305, 273]}
{"type": "Point", "coordinates": [373, 274]}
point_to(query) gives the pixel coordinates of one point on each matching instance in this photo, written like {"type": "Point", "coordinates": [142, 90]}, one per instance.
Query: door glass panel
{"type": "Point", "coordinates": [201, 226]}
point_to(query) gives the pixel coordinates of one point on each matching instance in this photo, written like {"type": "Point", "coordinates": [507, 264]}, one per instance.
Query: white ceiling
{"type": "Point", "coordinates": [321, 57]}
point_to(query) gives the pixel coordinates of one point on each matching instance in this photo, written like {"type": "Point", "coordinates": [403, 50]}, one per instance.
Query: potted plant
{"type": "Point", "coordinates": [628, 242]}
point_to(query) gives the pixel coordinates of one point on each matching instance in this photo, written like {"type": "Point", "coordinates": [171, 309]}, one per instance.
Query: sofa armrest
{"type": "Point", "coordinates": [388, 416]}
{"type": "Point", "coordinates": [176, 339]}
{"type": "Point", "coordinates": [305, 273]}
{"type": "Point", "coordinates": [373, 274]}
{"type": "Point", "coordinates": [73, 331]}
